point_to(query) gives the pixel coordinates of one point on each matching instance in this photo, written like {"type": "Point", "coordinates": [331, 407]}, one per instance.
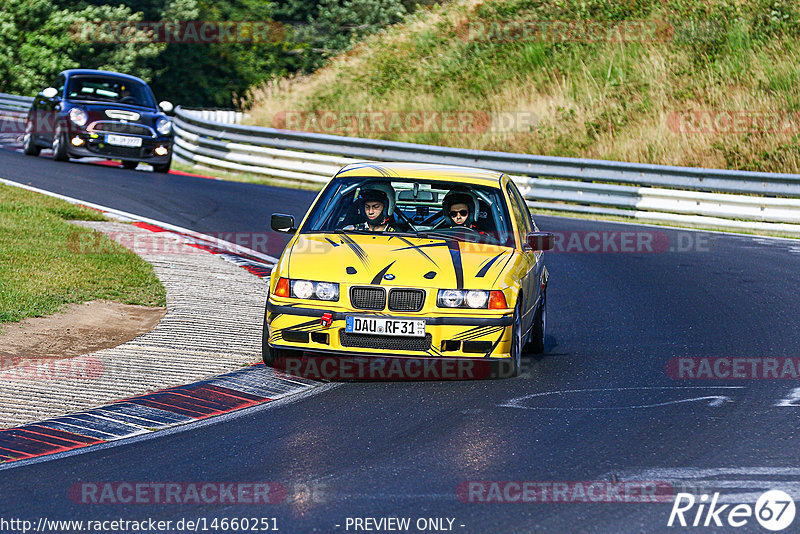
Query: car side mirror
{"type": "Point", "coordinates": [166, 106]}
{"type": "Point", "coordinates": [540, 240]}
{"type": "Point", "coordinates": [282, 223]}
{"type": "Point", "coordinates": [50, 92]}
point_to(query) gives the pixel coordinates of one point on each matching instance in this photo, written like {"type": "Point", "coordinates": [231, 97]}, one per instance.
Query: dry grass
{"type": "Point", "coordinates": [605, 100]}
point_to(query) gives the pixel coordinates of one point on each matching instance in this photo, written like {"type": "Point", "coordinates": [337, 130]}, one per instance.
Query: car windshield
{"type": "Point", "coordinates": [110, 89]}
{"type": "Point", "coordinates": [417, 207]}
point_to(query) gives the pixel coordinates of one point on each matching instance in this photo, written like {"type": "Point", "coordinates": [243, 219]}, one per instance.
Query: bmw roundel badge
{"type": "Point", "coordinates": [388, 277]}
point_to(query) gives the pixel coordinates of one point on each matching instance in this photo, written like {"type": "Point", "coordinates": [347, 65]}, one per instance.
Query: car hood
{"type": "Point", "coordinates": [97, 112]}
{"type": "Point", "coordinates": [397, 261]}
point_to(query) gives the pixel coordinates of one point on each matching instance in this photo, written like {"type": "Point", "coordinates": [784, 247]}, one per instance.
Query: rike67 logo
{"type": "Point", "coordinates": [774, 510]}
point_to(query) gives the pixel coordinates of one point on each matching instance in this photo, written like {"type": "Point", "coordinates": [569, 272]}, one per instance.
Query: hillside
{"type": "Point", "coordinates": [712, 83]}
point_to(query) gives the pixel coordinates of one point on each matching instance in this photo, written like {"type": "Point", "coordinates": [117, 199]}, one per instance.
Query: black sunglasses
{"type": "Point", "coordinates": [463, 213]}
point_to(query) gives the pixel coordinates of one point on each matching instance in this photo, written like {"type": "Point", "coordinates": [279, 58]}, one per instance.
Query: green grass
{"type": "Point", "coordinates": [43, 267]}
{"type": "Point", "coordinates": [598, 99]}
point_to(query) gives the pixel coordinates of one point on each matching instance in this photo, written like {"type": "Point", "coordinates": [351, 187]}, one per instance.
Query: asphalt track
{"type": "Point", "coordinates": [599, 406]}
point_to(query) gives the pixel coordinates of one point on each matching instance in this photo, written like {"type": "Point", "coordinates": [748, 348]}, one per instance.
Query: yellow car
{"type": "Point", "coordinates": [410, 260]}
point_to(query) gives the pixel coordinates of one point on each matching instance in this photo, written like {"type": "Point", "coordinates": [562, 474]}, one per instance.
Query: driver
{"type": "Point", "coordinates": [460, 209]}
{"type": "Point", "coordinates": [377, 207]}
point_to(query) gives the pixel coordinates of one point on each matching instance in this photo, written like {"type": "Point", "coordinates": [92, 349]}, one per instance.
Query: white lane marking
{"type": "Point", "coordinates": [715, 400]}
{"type": "Point", "coordinates": [791, 399]}
{"type": "Point", "coordinates": [126, 216]}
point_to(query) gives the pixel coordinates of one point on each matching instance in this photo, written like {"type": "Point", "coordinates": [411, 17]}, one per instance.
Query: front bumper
{"type": "Point", "coordinates": [94, 145]}
{"type": "Point", "coordinates": [289, 326]}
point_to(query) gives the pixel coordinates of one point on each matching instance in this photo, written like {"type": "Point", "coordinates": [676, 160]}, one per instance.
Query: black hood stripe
{"type": "Point", "coordinates": [379, 276]}
{"type": "Point", "coordinates": [332, 242]}
{"type": "Point", "coordinates": [503, 268]}
{"type": "Point", "coordinates": [356, 249]}
{"type": "Point", "coordinates": [487, 266]}
{"type": "Point", "coordinates": [455, 256]}
{"type": "Point", "coordinates": [414, 247]}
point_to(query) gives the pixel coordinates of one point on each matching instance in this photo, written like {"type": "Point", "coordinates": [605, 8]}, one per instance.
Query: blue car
{"type": "Point", "coordinates": [100, 114]}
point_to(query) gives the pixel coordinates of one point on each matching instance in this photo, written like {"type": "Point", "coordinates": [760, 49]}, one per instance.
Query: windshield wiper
{"type": "Point", "coordinates": [439, 235]}
{"type": "Point", "coordinates": [354, 231]}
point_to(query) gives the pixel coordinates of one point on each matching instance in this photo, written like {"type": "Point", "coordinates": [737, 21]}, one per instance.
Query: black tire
{"type": "Point", "coordinates": [60, 145]}
{"type": "Point", "coordinates": [516, 341]}
{"type": "Point", "coordinates": [539, 329]}
{"type": "Point", "coordinates": [28, 142]}
{"type": "Point", "coordinates": [164, 167]}
{"type": "Point", "coordinates": [130, 164]}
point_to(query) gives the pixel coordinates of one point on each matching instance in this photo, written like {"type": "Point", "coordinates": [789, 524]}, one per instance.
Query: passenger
{"type": "Point", "coordinates": [460, 209]}
{"type": "Point", "coordinates": [378, 208]}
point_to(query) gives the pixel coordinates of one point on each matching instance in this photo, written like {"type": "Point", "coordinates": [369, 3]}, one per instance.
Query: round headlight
{"type": "Point", "coordinates": [303, 289]}
{"type": "Point", "coordinates": [452, 298]}
{"type": "Point", "coordinates": [164, 126]}
{"type": "Point", "coordinates": [78, 116]}
{"type": "Point", "coordinates": [476, 299]}
{"type": "Point", "coordinates": [327, 291]}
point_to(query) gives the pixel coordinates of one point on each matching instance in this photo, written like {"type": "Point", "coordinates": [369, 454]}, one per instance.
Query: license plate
{"type": "Point", "coordinates": [384, 326]}
{"type": "Point", "coordinates": [123, 140]}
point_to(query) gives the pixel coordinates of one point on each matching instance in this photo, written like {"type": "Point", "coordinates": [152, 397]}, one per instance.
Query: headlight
{"type": "Point", "coordinates": [450, 298]}
{"type": "Point", "coordinates": [477, 299]}
{"type": "Point", "coordinates": [306, 289]}
{"type": "Point", "coordinates": [78, 116]}
{"type": "Point", "coordinates": [164, 126]}
{"type": "Point", "coordinates": [470, 298]}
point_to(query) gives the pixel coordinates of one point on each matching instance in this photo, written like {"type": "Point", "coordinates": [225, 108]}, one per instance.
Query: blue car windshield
{"type": "Point", "coordinates": [110, 89]}
{"type": "Point", "coordinates": [416, 206]}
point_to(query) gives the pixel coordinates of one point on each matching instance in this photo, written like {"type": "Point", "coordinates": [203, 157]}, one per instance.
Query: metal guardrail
{"type": "Point", "coordinates": [13, 109]}
{"type": "Point", "coordinates": [686, 195]}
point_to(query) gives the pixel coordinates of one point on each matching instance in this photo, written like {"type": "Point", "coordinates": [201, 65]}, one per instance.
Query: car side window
{"type": "Point", "coordinates": [521, 212]}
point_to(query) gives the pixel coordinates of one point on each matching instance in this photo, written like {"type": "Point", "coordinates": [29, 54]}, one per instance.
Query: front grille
{"type": "Point", "coordinates": [406, 299]}
{"type": "Point", "coordinates": [368, 298]}
{"type": "Point", "coordinates": [367, 341]}
{"type": "Point", "coordinates": [121, 128]}
{"type": "Point", "coordinates": [118, 151]}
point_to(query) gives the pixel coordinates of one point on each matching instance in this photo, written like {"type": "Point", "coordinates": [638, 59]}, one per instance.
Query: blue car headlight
{"type": "Point", "coordinates": [78, 117]}
{"type": "Point", "coordinates": [164, 126]}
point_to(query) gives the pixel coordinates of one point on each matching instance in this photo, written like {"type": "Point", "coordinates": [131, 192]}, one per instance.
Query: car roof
{"type": "Point", "coordinates": [444, 173]}
{"type": "Point", "coordinates": [81, 72]}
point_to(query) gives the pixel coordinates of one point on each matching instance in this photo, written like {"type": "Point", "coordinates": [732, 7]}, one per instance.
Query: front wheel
{"type": "Point", "coordinates": [164, 167]}
{"type": "Point", "coordinates": [28, 143]}
{"type": "Point", "coordinates": [60, 145]}
{"type": "Point", "coordinates": [516, 340]}
{"type": "Point", "coordinates": [539, 329]}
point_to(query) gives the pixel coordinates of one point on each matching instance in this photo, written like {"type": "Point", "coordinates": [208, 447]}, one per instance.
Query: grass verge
{"type": "Point", "coordinates": [42, 269]}
{"type": "Point", "coordinates": [706, 83]}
